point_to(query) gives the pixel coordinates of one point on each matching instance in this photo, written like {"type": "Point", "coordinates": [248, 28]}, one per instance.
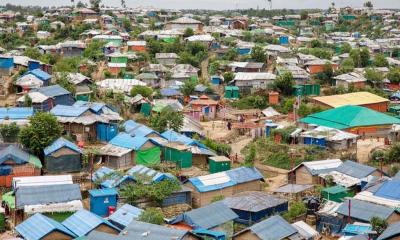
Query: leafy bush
{"type": "Point", "coordinates": [9, 132]}
{"type": "Point", "coordinates": [250, 102]}
{"type": "Point", "coordinates": [296, 209]}
{"type": "Point", "coordinates": [142, 90]}
{"type": "Point", "coordinates": [152, 215]}
{"type": "Point", "coordinates": [219, 148]}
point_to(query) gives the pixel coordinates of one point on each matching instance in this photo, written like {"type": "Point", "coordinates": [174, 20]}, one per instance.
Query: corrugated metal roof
{"type": "Point", "coordinates": [389, 190]}
{"type": "Point", "coordinates": [392, 231]}
{"type": "Point", "coordinates": [125, 214]}
{"type": "Point", "coordinates": [275, 228]}
{"type": "Point", "coordinates": [155, 175]}
{"type": "Point", "coordinates": [293, 188]}
{"type": "Point", "coordinates": [101, 172]}
{"type": "Point", "coordinates": [356, 170]}
{"type": "Point", "coordinates": [250, 76]}
{"type": "Point", "coordinates": [53, 91]}
{"type": "Point", "coordinates": [47, 194]}
{"type": "Point", "coordinates": [147, 231]}
{"type": "Point", "coordinates": [16, 113]}
{"type": "Point", "coordinates": [356, 98]}
{"type": "Point", "coordinates": [83, 222]}
{"type": "Point", "coordinates": [209, 216]}
{"type": "Point", "coordinates": [253, 201]}
{"type": "Point", "coordinates": [122, 85]}
{"type": "Point", "coordinates": [95, 235]}
{"type": "Point", "coordinates": [38, 226]}
{"type": "Point", "coordinates": [322, 166]}
{"type": "Point", "coordinates": [305, 230]}
{"type": "Point", "coordinates": [41, 180]}
{"type": "Point", "coordinates": [127, 141]}
{"type": "Point", "coordinates": [364, 211]}
{"type": "Point", "coordinates": [36, 97]}
{"type": "Point", "coordinates": [60, 143]}
{"type": "Point", "coordinates": [68, 111]}
{"type": "Point", "coordinates": [225, 179]}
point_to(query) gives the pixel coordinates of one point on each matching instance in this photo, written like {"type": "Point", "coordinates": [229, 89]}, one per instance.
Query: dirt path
{"type": "Point", "coordinates": [238, 146]}
{"type": "Point", "coordinates": [364, 147]}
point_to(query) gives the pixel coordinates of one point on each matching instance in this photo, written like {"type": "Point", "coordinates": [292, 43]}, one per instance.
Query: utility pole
{"type": "Point", "coordinates": [349, 217]}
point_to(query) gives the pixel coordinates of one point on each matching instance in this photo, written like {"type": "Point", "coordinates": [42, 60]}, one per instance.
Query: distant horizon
{"type": "Point", "coordinates": [220, 5]}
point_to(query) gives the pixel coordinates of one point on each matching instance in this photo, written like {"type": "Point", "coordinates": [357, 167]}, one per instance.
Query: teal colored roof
{"type": "Point", "coordinates": [348, 117]}
{"type": "Point", "coordinates": [335, 189]}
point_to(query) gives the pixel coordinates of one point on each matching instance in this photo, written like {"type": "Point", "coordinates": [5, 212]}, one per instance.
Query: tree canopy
{"type": "Point", "coordinates": [167, 119]}
{"type": "Point", "coordinates": [40, 133]}
{"type": "Point", "coordinates": [142, 90]}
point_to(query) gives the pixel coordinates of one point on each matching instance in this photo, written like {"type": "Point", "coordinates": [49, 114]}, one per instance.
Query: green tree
{"type": "Point", "coordinates": [40, 133]}
{"type": "Point", "coordinates": [228, 76]}
{"type": "Point", "coordinates": [304, 15]}
{"type": "Point", "coordinates": [95, 5]}
{"type": "Point", "coordinates": [393, 155]}
{"type": "Point", "coordinates": [364, 57]}
{"type": "Point", "coordinates": [67, 65]}
{"type": "Point", "coordinates": [64, 81]}
{"type": "Point", "coordinates": [347, 65]}
{"type": "Point", "coordinates": [368, 4]}
{"type": "Point", "coordinates": [188, 32]}
{"type": "Point", "coordinates": [142, 90]}
{"type": "Point", "coordinates": [378, 224]}
{"type": "Point", "coordinates": [152, 215]}
{"type": "Point", "coordinates": [32, 53]}
{"type": "Point", "coordinates": [380, 60]}
{"type": "Point", "coordinates": [188, 88]}
{"type": "Point", "coordinates": [258, 54]}
{"type": "Point", "coordinates": [94, 51]}
{"type": "Point", "coordinates": [27, 101]}
{"type": "Point", "coordinates": [213, 68]}
{"type": "Point", "coordinates": [126, 24]}
{"type": "Point", "coordinates": [394, 75]}
{"type": "Point", "coordinates": [250, 157]}
{"type": "Point", "coordinates": [346, 47]}
{"type": "Point", "coordinates": [231, 55]}
{"type": "Point", "coordinates": [9, 132]}
{"type": "Point", "coordinates": [373, 76]}
{"type": "Point", "coordinates": [285, 83]}
{"type": "Point", "coordinates": [167, 119]}
{"type": "Point", "coordinates": [247, 36]}
{"type": "Point", "coordinates": [355, 55]}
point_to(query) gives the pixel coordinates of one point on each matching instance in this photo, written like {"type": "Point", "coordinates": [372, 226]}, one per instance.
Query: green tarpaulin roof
{"type": "Point", "coordinates": [335, 189]}
{"type": "Point", "coordinates": [348, 117]}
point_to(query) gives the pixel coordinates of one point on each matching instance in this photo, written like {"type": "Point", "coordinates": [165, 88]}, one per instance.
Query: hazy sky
{"type": "Point", "coordinates": [218, 4]}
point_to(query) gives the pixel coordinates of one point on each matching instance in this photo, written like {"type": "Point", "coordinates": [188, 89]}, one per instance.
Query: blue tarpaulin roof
{"type": "Point", "coordinates": [127, 141]}
{"type": "Point", "coordinates": [130, 125]}
{"type": "Point", "coordinates": [390, 190]}
{"type": "Point", "coordinates": [275, 228]}
{"type": "Point", "coordinates": [42, 75]}
{"type": "Point", "coordinates": [141, 130]}
{"type": "Point", "coordinates": [61, 143]}
{"type": "Point", "coordinates": [16, 154]}
{"type": "Point", "coordinates": [94, 106]}
{"type": "Point", "coordinates": [364, 211]}
{"type": "Point", "coordinates": [392, 231]}
{"type": "Point", "coordinates": [16, 113]}
{"type": "Point", "coordinates": [38, 226]}
{"type": "Point", "coordinates": [68, 111]}
{"type": "Point", "coordinates": [83, 222]}
{"type": "Point", "coordinates": [53, 91]}
{"type": "Point", "coordinates": [155, 175]}
{"type": "Point", "coordinates": [115, 181]}
{"type": "Point", "coordinates": [125, 214]}
{"type": "Point", "coordinates": [173, 136]}
{"type": "Point", "coordinates": [207, 217]}
{"type": "Point", "coordinates": [233, 177]}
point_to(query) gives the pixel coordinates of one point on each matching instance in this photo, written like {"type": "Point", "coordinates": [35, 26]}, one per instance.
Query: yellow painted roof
{"type": "Point", "coordinates": [356, 98]}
